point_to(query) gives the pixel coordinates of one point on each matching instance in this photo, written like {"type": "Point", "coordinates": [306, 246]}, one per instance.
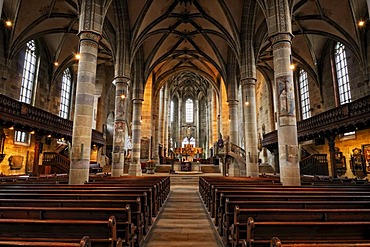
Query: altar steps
{"type": "Point", "coordinates": [178, 179]}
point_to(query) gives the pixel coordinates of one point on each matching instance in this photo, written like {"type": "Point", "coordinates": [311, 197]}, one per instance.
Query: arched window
{"type": "Point", "coordinates": [189, 108]}
{"type": "Point", "coordinates": [29, 71]}
{"type": "Point", "coordinates": [65, 96]}
{"type": "Point", "coordinates": [342, 74]}
{"type": "Point", "coordinates": [28, 85]}
{"type": "Point", "coordinates": [305, 97]}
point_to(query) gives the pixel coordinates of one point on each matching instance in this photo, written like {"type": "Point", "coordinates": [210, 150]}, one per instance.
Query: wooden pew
{"type": "Point", "coordinates": [238, 229]}
{"type": "Point", "coordinates": [276, 242]}
{"type": "Point", "coordinates": [260, 233]}
{"type": "Point", "coordinates": [125, 227]}
{"type": "Point", "coordinates": [268, 190]}
{"type": "Point", "coordinates": [226, 218]}
{"type": "Point", "coordinates": [102, 233]}
{"type": "Point", "coordinates": [137, 217]}
{"type": "Point", "coordinates": [72, 194]}
{"type": "Point", "coordinates": [85, 242]}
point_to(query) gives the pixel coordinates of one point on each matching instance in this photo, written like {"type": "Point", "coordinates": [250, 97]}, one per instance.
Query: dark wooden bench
{"type": "Point", "coordinates": [260, 233]}
{"type": "Point", "coordinates": [276, 242]}
{"type": "Point", "coordinates": [84, 242]}
{"type": "Point", "coordinates": [238, 229]}
{"type": "Point", "coordinates": [226, 216]}
{"type": "Point", "coordinates": [268, 190]}
{"type": "Point", "coordinates": [137, 217]}
{"type": "Point", "coordinates": [125, 227]}
{"type": "Point", "coordinates": [102, 233]}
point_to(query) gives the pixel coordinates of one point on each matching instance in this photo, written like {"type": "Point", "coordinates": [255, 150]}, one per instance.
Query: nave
{"type": "Point", "coordinates": [183, 221]}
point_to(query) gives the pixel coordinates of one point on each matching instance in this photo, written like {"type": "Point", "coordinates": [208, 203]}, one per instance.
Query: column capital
{"type": "Point", "coordinates": [248, 81]}
{"type": "Point", "coordinates": [137, 100]}
{"type": "Point", "coordinates": [89, 35]}
{"type": "Point", "coordinates": [281, 37]}
{"type": "Point", "coordinates": [122, 79]}
{"type": "Point", "coordinates": [232, 102]}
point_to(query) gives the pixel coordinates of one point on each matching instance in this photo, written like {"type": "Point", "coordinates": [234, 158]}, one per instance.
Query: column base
{"type": "Point", "coordinates": [118, 164]}
{"type": "Point", "coordinates": [135, 170]}
{"type": "Point", "coordinates": [252, 170]}
{"type": "Point", "coordinates": [234, 170]}
{"type": "Point", "coordinates": [78, 176]}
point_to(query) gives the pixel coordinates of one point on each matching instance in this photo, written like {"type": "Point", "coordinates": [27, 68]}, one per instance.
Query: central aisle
{"type": "Point", "coordinates": [183, 221]}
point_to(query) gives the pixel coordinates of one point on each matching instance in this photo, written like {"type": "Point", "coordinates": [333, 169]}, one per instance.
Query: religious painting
{"type": "Point", "coordinates": [366, 153]}
{"type": "Point", "coordinates": [285, 96]}
{"type": "Point", "coordinates": [119, 129]}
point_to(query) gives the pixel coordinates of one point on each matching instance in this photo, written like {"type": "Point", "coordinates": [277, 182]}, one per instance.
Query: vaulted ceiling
{"type": "Point", "coordinates": [190, 37]}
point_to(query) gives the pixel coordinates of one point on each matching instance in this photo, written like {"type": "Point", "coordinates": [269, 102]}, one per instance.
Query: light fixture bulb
{"type": "Point", "coordinates": [292, 66]}
{"type": "Point", "coordinates": [56, 63]}
{"type": "Point", "coordinates": [77, 56]}
{"type": "Point", "coordinates": [361, 23]}
{"type": "Point", "coordinates": [246, 103]}
{"type": "Point", "coordinates": [11, 128]}
{"type": "Point", "coordinates": [8, 23]}
{"type": "Point", "coordinates": [32, 132]}
{"type": "Point", "coordinates": [123, 96]}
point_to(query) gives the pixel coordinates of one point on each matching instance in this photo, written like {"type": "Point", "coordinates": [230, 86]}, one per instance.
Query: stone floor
{"type": "Point", "coordinates": [183, 221]}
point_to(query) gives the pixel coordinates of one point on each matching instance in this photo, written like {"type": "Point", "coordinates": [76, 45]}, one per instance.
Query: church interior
{"type": "Point", "coordinates": [194, 103]}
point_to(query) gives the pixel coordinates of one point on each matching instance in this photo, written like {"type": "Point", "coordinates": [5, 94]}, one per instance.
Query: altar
{"type": "Point", "coordinates": [186, 157]}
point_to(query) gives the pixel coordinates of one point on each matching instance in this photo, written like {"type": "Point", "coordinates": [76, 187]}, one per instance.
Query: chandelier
{"type": "Point", "coordinates": [186, 2]}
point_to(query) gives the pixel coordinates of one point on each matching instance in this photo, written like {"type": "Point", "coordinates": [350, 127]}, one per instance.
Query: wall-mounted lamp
{"type": "Point", "coordinates": [229, 119]}
{"type": "Point", "coordinates": [246, 101]}
{"type": "Point", "coordinates": [77, 56]}
{"type": "Point", "coordinates": [49, 136]}
{"type": "Point", "coordinates": [32, 132]}
{"type": "Point", "coordinates": [123, 96]}
{"type": "Point", "coordinates": [291, 66]}
{"type": "Point", "coordinates": [361, 23]}
{"type": "Point", "coordinates": [11, 128]}
{"type": "Point", "coordinates": [56, 64]}
{"type": "Point", "coordinates": [8, 23]}
{"type": "Point", "coordinates": [141, 119]}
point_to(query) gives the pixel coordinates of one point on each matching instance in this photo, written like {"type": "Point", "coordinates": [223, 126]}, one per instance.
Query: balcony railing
{"type": "Point", "coordinates": [26, 117]}
{"type": "Point", "coordinates": [345, 118]}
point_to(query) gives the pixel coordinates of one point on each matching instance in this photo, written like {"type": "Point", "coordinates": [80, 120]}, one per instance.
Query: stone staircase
{"type": "Point", "coordinates": [184, 180]}
{"type": "Point", "coordinates": [266, 168]}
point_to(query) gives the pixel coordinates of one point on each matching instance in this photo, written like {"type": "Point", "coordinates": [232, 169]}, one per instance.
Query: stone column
{"type": "Point", "coordinates": [179, 121]}
{"type": "Point", "coordinates": [119, 140]}
{"type": "Point", "coordinates": [83, 114]}
{"type": "Point", "coordinates": [250, 126]}
{"type": "Point", "coordinates": [165, 120]}
{"type": "Point", "coordinates": [160, 121]}
{"type": "Point", "coordinates": [36, 157]}
{"type": "Point", "coordinates": [287, 123]}
{"type": "Point", "coordinates": [233, 121]}
{"type": "Point", "coordinates": [331, 144]}
{"type": "Point", "coordinates": [135, 166]}
{"type": "Point", "coordinates": [196, 121]}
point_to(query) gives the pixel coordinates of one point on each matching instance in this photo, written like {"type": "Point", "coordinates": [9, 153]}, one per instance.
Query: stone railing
{"type": "Point", "coordinates": [26, 117]}
{"type": "Point", "coordinates": [237, 150]}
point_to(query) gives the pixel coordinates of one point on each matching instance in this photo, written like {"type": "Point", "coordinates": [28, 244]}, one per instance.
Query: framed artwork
{"type": "Point", "coordinates": [366, 153]}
